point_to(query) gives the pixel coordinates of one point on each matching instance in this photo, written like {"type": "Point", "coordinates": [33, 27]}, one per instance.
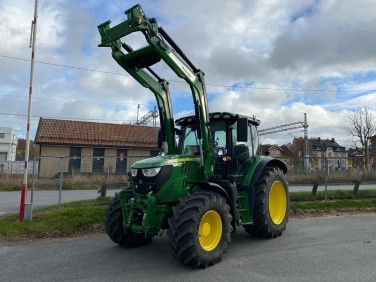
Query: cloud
{"type": "Point", "coordinates": [259, 58]}
{"type": "Point", "coordinates": [334, 36]}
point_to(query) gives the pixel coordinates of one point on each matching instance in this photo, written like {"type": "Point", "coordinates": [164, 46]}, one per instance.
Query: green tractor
{"type": "Point", "coordinates": [207, 184]}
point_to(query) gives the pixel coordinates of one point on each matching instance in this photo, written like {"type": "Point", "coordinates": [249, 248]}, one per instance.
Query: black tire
{"type": "Point", "coordinates": [271, 206]}
{"type": "Point", "coordinates": [200, 227]}
{"type": "Point", "coordinates": [113, 224]}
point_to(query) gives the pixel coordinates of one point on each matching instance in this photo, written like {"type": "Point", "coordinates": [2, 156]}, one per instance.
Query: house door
{"type": "Point", "coordinates": [74, 159]}
{"type": "Point", "coordinates": [121, 161]}
{"type": "Point", "coordinates": [98, 160]}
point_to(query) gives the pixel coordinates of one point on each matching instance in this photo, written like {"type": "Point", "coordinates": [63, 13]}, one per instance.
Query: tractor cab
{"type": "Point", "coordinates": [233, 141]}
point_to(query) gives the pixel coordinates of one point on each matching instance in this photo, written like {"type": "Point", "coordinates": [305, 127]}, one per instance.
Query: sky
{"type": "Point", "coordinates": [275, 60]}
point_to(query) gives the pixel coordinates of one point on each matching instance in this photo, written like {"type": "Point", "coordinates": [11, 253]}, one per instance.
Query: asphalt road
{"type": "Point", "coordinates": [320, 249]}
{"type": "Point", "coordinates": [10, 201]}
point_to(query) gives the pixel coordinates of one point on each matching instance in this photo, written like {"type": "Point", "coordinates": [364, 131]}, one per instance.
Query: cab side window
{"type": "Point", "coordinates": [254, 142]}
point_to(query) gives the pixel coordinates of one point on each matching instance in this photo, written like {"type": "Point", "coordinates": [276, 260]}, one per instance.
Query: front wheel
{"type": "Point", "coordinates": [200, 227]}
{"type": "Point", "coordinates": [271, 206]}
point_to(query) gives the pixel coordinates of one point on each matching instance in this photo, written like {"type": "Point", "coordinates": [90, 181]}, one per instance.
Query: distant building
{"type": "Point", "coordinates": [320, 150]}
{"type": "Point", "coordinates": [92, 147]}
{"type": "Point", "coordinates": [280, 152]}
{"type": "Point", "coordinates": [8, 144]}
{"type": "Point", "coordinates": [372, 151]}
{"type": "Point", "coordinates": [356, 158]}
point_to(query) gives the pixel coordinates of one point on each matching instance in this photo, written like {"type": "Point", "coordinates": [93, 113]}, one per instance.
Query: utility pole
{"type": "Point", "coordinates": [368, 167]}
{"type": "Point", "coordinates": [27, 145]}
{"type": "Point", "coordinates": [288, 127]}
{"type": "Point", "coordinates": [138, 109]}
{"type": "Point", "coordinates": [306, 159]}
{"type": "Point", "coordinates": [155, 116]}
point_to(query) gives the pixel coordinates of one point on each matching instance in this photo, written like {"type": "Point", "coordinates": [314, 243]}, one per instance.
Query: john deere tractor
{"type": "Point", "coordinates": [207, 184]}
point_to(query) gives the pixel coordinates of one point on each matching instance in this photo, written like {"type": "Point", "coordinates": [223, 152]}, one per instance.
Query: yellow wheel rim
{"type": "Point", "coordinates": [277, 202]}
{"type": "Point", "coordinates": [210, 230]}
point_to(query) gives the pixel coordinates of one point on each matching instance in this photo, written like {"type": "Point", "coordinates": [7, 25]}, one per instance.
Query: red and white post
{"type": "Point", "coordinates": [27, 145]}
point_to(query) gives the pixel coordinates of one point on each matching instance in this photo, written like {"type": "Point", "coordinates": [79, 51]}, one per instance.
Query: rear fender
{"type": "Point", "coordinates": [271, 162]}
{"type": "Point", "coordinates": [254, 173]}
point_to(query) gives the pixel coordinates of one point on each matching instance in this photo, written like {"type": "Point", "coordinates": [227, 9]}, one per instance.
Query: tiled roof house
{"type": "Point", "coordinates": [91, 146]}
{"type": "Point", "coordinates": [280, 152]}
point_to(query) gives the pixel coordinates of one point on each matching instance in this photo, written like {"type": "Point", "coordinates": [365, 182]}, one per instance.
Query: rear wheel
{"type": "Point", "coordinates": [113, 224]}
{"type": "Point", "coordinates": [200, 227]}
{"type": "Point", "coordinates": [271, 206]}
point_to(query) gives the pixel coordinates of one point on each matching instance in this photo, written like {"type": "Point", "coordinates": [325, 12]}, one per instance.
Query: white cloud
{"type": "Point", "coordinates": [268, 47]}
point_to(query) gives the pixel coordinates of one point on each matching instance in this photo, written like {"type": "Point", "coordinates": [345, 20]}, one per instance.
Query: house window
{"type": "Point", "coordinates": [98, 160]}
{"type": "Point", "coordinates": [74, 159]}
{"type": "Point", "coordinates": [2, 135]}
{"type": "Point", "coordinates": [121, 161]}
{"type": "Point", "coordinates": [3, 157]}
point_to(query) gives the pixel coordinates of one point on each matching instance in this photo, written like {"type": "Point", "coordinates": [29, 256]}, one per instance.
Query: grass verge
{"type": "Point", "coordinates": [86, 217]}
{"type": "Point", "coordinates": [72, 219]}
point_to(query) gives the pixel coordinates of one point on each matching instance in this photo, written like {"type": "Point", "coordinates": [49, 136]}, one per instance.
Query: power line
{"type": "Point", "coordinates": [284, 127]}
{"type": "Point", "coordinates": [63, 66]}
{"type": "Point", "coordinates": [72, 101]}
{"type": "Point", "coordinates": [70, 118]}
{"type": "Point", "coordinates": [290, 134]}
{"type": "Point", "coordinates": [208, 84]}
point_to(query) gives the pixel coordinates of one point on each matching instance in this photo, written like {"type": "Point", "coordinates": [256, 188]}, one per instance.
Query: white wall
{"type": "Point", "coordinates": [8, 144]}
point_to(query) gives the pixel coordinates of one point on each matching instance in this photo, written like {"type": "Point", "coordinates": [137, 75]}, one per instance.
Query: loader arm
{"type": "Point", "coordinates": [137, 63]}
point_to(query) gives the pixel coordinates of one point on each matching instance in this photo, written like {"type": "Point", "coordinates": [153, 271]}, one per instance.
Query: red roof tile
{"type": "Point", "coordinates": [82, 133]}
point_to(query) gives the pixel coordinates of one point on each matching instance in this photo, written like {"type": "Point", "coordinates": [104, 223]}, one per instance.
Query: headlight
{"type": "Point", "coordinates": [150, 172]}
{"type": "Point", "coordinates": [134, 172]}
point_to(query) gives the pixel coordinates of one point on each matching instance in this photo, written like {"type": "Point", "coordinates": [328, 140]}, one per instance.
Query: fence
{"type": "Point", "coordinates": [94, 172]}
{"type": "Point", "coordinates": [75, 178]}
{"type": "Point", "coordinates": [332, 169]}
{"type": "Point", "coordinates": [56, 180]}
{"type": "Point", "coordinates": [17, 167]}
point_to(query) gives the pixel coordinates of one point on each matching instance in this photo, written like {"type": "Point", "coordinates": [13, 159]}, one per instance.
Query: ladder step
{"type": "Point", "coordinates": [245, 223]}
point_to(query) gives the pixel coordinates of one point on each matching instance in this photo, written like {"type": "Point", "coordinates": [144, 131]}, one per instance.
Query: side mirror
{"type": "Point", "coordinates": [242, 130]}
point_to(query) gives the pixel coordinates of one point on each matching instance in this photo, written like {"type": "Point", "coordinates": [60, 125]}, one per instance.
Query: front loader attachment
{"type": "Point", "coordinates": [136, 21]}
{"type": "Point", "coordinates": [138, 62]}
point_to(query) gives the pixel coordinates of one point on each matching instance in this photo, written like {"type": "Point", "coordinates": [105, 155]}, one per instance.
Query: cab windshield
{"type": "Point", "coordinates": [188, 139]}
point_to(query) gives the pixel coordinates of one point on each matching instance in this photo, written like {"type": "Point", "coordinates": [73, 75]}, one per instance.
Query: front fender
{"type": "Point", "coordinates": [211, 186]}
{"type": "Point", "coordinates": [226, 190]}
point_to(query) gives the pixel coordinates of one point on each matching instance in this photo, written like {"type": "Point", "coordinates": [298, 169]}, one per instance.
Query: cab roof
{"type": "Point", "coordinates": [218, 116]}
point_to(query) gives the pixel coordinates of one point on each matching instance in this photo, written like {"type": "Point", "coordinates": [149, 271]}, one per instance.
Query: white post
{"type": "Point", "coordinates": [27, 145]}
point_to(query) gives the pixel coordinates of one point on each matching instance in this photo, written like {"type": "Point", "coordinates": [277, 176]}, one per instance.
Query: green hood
{"type": "Point", "coordinates": [175, 160]}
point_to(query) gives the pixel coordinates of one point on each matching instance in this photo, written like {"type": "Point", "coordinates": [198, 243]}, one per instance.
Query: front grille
{"type": "Point", "coordinates": [144, 185]}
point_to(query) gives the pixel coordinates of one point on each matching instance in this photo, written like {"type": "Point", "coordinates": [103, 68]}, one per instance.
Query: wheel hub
{"type": "Point", "coordinates": [210, 230]}
{"type": "Point", "coordinates": [206, 229]}
{"type": "Point", "coordinates": [277, 202]}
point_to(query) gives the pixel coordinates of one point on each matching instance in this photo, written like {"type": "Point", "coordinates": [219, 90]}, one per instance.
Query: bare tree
{"type": "Point", "coordinates": [361, 124]}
